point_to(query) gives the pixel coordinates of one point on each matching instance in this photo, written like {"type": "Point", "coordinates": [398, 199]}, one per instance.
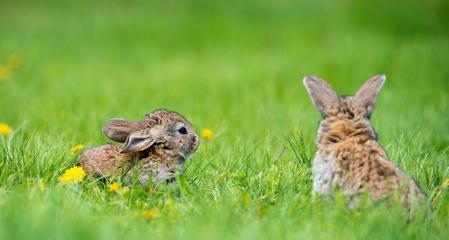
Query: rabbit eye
{"type": "Point", "coordinates": [182, 130]}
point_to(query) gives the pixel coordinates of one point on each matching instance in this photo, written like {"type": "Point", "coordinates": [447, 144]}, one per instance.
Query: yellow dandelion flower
{"type": "Point", "coordinates": [150, 214]}
{"type": "Point", "coordinates": [41, 185]}
{"type": "Point", "coordinates": [153, 191]}
{"type": "Point", "coordinates": [124, 191]}
{"type": "Point", "coordinates": [246, 199]}
{"type": "Point", "coordinates": [73, 175]}
{"type": "Point", "coordinates": [5, 73]}
{"type": "Point", "coordinates": [75, 149]}
{"type": "Point", "coordinates": [446, 182]}
{"type": "Point", "coordinates": [14, 62]}
{"type": "Point", "coordinates": [207, 134]}
{"type": "Point", "coordinates": [114, 187]}
{"type": "Point", "coordinates": [5, 129]}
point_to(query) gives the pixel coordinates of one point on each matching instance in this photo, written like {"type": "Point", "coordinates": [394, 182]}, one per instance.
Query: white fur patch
{"type": "Point", "coordinates": [159, 173]}
{"type": "Point", "coordinates": [322, 175]}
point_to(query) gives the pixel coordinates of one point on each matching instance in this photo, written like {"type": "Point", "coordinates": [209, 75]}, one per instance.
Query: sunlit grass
{"type": "Point", "coordinates": [233, 69]}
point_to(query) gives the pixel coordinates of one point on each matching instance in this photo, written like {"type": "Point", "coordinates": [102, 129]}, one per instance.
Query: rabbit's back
{"type": "Point", "coordinates": [105, 161]}
{"type": "Point", "coordinates": [357, 167]}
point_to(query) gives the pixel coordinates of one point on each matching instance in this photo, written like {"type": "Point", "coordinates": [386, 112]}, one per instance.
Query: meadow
{"type": "Point", "coordinates": [234, 67]}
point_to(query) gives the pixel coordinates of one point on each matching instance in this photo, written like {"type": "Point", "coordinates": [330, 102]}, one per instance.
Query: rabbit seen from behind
{"type": "Point", "coordinates": [348, 156]}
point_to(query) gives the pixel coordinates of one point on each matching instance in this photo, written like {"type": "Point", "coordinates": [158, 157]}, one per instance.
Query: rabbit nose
{"type": "Point", "coordinates": [195, 143]}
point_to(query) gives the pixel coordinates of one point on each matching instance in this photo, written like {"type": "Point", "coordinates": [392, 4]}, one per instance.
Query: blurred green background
{"type": "Point", "coordinates": [231, 66]}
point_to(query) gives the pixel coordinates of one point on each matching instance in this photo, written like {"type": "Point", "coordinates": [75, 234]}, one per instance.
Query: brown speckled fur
{"type": "Point", "coordinates": [348, 155]}
{"type": "Point", "coordinates": [152, 147]}
{"type": "Point", "coordinates": [107, 161]}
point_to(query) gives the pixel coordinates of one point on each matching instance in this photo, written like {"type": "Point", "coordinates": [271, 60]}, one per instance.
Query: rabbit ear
{"type": "Point", "coordinates": [118, 129]}
{"type": "Point", "coordinates": [366, 96]}
{"type": "Point", "coordinates": [140, 140]}
{"type": "Point", "coordinates": [321, 93]}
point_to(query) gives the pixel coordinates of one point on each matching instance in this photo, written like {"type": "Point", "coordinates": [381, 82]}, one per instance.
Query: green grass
{"type": "Point", "coordinates": [233, 67]}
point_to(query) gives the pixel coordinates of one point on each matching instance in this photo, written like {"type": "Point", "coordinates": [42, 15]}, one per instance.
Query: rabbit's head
{"type": "Point", "coordinates": [162, 128]}
{"type": "Point", "coordinates": [337, 111]}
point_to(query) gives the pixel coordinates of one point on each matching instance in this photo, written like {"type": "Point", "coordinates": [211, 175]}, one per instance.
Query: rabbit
{"type": "Point", "coordinates": [158, 146]}
{"type": "Point", "coordinates": [348, 155]}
